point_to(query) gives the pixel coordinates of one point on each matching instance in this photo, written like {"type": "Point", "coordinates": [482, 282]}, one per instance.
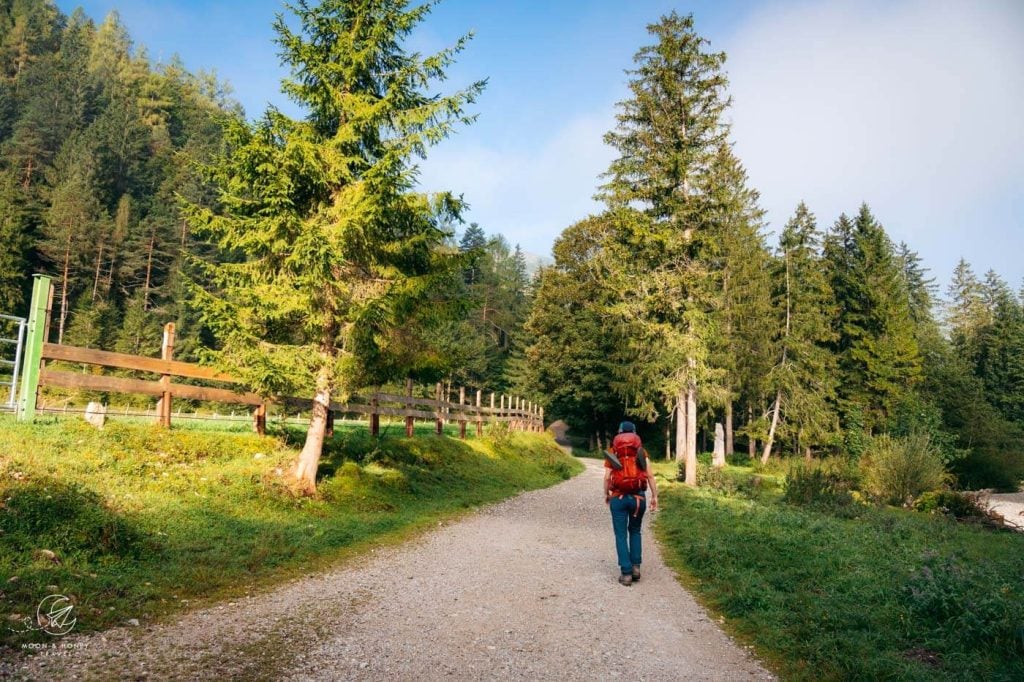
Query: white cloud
{"type": "Point", "coordinates": [915, 106]}
{"type": "Point", "coordinates": [528, 193]}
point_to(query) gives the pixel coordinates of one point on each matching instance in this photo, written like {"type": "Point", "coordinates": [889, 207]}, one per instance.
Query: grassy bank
{"type": "Point", "coordinates": [136, 522]}
{"type": "Point", "coordinates": [887, 594]}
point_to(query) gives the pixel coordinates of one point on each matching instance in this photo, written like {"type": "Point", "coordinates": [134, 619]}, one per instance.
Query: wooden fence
{"type": "Point", "coordinates": [519, 414]}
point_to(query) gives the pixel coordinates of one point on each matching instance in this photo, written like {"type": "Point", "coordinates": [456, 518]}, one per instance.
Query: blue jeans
{"type": "Point", "coordinates": [627, 514]}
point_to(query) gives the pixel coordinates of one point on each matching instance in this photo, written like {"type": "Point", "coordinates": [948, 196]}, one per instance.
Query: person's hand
{"type": "Point", "coordinates": [654, 503]}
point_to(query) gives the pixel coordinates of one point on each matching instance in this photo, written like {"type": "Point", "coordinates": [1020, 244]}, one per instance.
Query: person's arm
{"type": "Point", "coordinates": [653, 504]}
{"type": "Point", "coordinates": [607, 484]}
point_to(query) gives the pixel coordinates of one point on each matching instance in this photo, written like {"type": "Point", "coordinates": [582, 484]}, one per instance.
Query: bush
{"type": "Point", "coordinates": [956, 504]}
{"type": "Point", "coordinates": [819, 485]}
{"type": "Point", "coordinates": [897, 470]}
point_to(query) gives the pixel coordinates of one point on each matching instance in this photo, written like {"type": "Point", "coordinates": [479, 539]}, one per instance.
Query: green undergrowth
{"type": "Point", "coordinates": [887, 595]}
{"type": "Point", "coordinates": [137, 522]}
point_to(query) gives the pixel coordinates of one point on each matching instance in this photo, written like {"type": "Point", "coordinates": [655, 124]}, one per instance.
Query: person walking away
{"type": "Point", "coordinates": [626, 480]}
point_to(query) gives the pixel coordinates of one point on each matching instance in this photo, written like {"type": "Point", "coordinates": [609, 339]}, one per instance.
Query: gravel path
{"type": "Point", "coordinates": [525, 589]}
{"type": "Point", "coordinates": [1011, 506]}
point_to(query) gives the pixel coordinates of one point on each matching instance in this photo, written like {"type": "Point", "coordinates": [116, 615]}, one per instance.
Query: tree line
{"type": "Point", "coordinates": [293, 252]}
{"type": "Point", "coordinates": [298, 253]}
{"type": "Point", "coordinates": [672, 306]}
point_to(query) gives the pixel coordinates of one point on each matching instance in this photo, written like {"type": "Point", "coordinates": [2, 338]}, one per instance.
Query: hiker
{"type": "Point", "coordinates": [625, 482]}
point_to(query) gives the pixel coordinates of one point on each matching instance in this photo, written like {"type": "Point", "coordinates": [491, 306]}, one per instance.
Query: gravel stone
{"type": "Point", "coordinates": [522, 590]}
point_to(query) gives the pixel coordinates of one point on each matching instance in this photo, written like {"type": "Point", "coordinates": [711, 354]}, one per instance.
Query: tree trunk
{"type": "Point", "coordinates": [668, 437]}
{"type": "Point", "coordinates": [751, 441]}
{"type": "Point", "coordinates": [96, 278]}
{"type": "Point", "coordinates": [149, 270]}
{"type": "Point", "coordinates": [691, 434]}
{"type": "Point", "coordinates": [64, 289]}
{"type": "Point", "coordinates": [807, 452]}
{"type": "Point", "coordinates": [730, 445]}
{"type": "Point", "coordinates": [771, 430]}
{"type": "Point", "coordinates": [309, 458]}
{"type": "Point", "coordinates": [681, 428]}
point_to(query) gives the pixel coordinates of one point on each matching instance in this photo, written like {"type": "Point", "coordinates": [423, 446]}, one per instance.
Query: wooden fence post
{"type": "Point", "coordinates": [374, 416]}
{"type": "Point", "coordinates": [479, 414]}
{"type": "Point", "coordinates": [542, 419]}
{"type": "Point", "coordinates": [329, 428]}
{"type": "Point", "coordinates": [163, 405]}
{"type": "Point", "coordinates": [259, 419]}
{"type": "Point", "coordinates": [38, 327]}
{"type": "Point", "coordinates": [439, 410]}
{"type": "Point", "coordinates": [409, 423]}
{"type": "Point", "coordinates": [462, 413]}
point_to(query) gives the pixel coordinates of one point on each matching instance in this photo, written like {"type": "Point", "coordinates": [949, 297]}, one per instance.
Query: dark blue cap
{"type": "Point", "coordinates": [627, 427]}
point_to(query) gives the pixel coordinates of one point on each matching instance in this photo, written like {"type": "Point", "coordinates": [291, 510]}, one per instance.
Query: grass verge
{"type": "Point", "coordinates": [888, 594]}
{"type": "Point", "coordinates": [137, 522]}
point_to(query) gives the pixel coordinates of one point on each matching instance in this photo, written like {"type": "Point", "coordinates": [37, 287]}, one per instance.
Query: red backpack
{"type": "Point", "coordinates": [629, 465]}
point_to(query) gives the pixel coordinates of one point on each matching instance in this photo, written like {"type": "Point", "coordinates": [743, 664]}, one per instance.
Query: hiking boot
{"type": "Point", "coordinates": [626, 579]}
{"type": "Point", "coordinates": [636, 573]}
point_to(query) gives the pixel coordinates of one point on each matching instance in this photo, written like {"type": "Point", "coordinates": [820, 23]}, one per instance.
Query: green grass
{"type": "Point", "coordinates": [889, 594]}
{"type": "Point", "coordinates": [144, 522]}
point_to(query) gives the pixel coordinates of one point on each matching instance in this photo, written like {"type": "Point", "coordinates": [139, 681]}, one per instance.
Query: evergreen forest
{"type": "Point", "coordinates": [300, 253]}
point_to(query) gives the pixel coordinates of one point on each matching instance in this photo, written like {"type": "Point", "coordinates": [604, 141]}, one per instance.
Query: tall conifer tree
{"type": "Point", "coordinates": [668, 134]}
{"type": "Point", "coordinates": [322, 209]}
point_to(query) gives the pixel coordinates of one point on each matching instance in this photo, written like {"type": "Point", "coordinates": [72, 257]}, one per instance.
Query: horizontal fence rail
{"type": "Point", "coordinates": [518, 413]}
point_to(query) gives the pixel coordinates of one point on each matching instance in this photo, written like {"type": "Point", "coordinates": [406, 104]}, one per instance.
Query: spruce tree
{"type": "Point", "coordinates": [805, 377]}
{"type": "Point", "coordinates": [319, 214]}
{"type": "Point", "coordinates": [743, 315]}
{"type": "Point", "coordinates": [878, 355]}
{"type": "Point", "coordinates": [668, 134]}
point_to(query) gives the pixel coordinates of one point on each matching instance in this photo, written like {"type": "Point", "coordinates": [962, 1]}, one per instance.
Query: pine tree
{"type": "Point", "coordinates": [805, 376]}
{"type": "Point", "coordinates": [668, 135]}
{"type": "Point", "coordinates": [966, 313]}
{"type": "Point", "coordinates": [322, 209]}
{"type": "Point", "coordinates": [743, 316]}
{"type": "Point", "coordinates": [878, 354]}
{"type": "Point", "coordinates": [999, 359]}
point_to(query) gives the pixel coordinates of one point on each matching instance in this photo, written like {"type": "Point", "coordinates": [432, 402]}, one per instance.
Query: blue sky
{"type": "Point", "coordinates": [914, 106]}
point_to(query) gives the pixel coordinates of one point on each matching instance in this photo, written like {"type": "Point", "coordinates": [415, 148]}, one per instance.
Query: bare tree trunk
{"type": "Point", "coordinates": [691, 434]}
{"type": "Point", "coordinates": [64, 289]}
{"type": "Point", "coordinates": [771, 430]}
{"type": "Point", "coordinates": [681, 428]}
{"type": "Point", "coordinates": [668, 437]}
{"type": "Point", "coordinates": [807, 452]}
{"type": "Point", "coordinates": [751, 441]}
{"type": "Point", "coordinates": [309, 458]}
{"type": "Point", "coordinates": [149, 270]}
{"type": "Point", "coordinates": [96, 278]}
{"type": "Point", "coordinates": [730, 445]}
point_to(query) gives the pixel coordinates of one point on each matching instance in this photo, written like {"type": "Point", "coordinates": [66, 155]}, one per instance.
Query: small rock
{"type": "Point", "coordinates": [134, 622]}
{"type": "Point", "coordinates": [46, 554]}
{"type": "Point", "coordinates": [14, 617]}
{"type": "Point", "coordinates": [13, 579]}
{"type": "Point", "coordinates": [258, 455]}
{"type": "Point", "coordinates": [52, 589]}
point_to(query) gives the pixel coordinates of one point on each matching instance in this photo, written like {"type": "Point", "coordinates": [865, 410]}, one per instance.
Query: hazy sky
{"type": "Point", "coordinates": [915, 106]}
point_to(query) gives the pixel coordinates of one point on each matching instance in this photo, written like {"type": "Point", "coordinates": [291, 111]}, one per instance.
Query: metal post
{"type": "Point", "coordinates": [38, 323]}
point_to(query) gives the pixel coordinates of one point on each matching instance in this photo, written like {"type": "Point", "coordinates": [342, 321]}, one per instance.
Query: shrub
{"type": "Point", "coordinates": [957, 504]}
{"type": "Point", "coordinates": [819, 485]}
{"type": "Point", "coordinates": [897, 470]}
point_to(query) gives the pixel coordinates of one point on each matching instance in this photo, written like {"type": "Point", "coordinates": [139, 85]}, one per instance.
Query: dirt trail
{"type": "Point", "coordinates": [1011, 506]}
{"type": "Point", "coordinates": [525, 589]}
